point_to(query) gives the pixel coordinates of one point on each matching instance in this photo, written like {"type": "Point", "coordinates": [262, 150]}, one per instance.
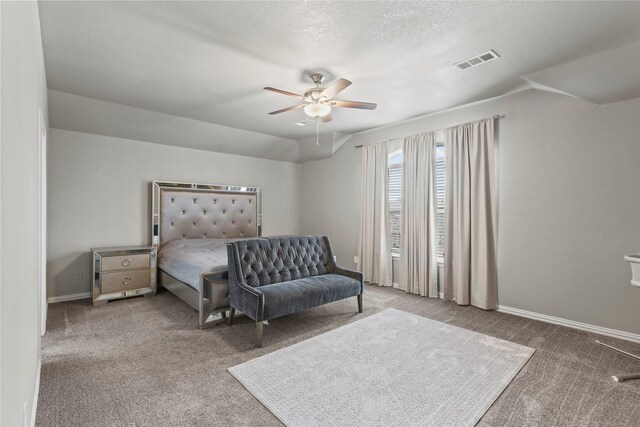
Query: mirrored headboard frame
{"type": "Point", "coordinates": [198, 189]}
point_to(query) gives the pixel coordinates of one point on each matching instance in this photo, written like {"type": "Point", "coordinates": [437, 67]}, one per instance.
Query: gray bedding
{"type": "Point", "coordinates": [186, 259]}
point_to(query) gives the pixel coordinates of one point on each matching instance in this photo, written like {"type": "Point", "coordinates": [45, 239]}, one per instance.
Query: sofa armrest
{"type": "Point", "coordinates": [243, 297]}
{"type": "Point", "coordinates": [349, 273]}
{"type": "Point", "coordinates": [248, 300]}
{"type": "Point", "coordinates": [334, 269]}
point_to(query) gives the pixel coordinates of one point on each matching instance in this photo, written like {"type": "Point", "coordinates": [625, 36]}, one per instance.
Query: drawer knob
{"type": "Point", "coordinates": [126, 281]}
{"type": "Point", "coordinates": [126, 262]}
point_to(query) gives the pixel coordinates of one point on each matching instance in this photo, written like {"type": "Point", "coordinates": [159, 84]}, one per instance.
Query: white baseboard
{"type": "Point", "coordinates": [36, 394]}
{"type": "Point", "coordinates": [627, 336]}
{"type": "Point", "coordinates": [69, 297]}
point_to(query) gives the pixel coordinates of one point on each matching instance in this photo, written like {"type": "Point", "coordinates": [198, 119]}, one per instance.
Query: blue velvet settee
{"type": "Point", "coordinates": [273, 277]}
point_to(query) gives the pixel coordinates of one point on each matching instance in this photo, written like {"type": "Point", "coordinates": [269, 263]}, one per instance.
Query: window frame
{"type": "Point", "coordinates": [440, 199]}
{"type": "Point", "coordinates": [395, 151]}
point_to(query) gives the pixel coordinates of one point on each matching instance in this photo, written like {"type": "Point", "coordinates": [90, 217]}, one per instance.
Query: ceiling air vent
{"type": "Point", "coordinates": [477, 60]}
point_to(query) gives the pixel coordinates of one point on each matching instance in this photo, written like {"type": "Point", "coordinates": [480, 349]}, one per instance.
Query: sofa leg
{"type": "Point", "coordinates": [232, 314]}
{"type": "Point", "coordinates": [360, 303]}
{"type": "Point", "coordinates": [259, 328]}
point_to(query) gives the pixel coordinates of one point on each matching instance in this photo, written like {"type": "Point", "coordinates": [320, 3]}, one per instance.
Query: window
{"type": "Point", "coordinates": [395, 195]}
{"type": "Point", "coordinates": [440, 188]}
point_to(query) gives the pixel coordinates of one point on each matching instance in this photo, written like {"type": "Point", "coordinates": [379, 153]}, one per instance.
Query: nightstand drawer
{"type": "Point", "coordinates": [112, 263]}
{"type": "Point", "coordinates": [125, 280]}
{"type": "Point", "coordinates": [123, 272]}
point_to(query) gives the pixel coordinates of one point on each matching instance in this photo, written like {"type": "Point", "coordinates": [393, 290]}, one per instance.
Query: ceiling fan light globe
{"type": "Point", "coordinates": [317, 110]}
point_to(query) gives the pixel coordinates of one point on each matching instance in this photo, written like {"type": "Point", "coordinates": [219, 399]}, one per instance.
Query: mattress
{"type": "Point", "coordinates": [187, 259]}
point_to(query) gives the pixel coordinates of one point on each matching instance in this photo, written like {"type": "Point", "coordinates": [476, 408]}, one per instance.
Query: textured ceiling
{"type": "Point", "coordinates": [208, 61]}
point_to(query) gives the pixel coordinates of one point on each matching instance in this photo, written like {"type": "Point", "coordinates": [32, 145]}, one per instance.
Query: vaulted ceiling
{"type": "Point", "coordinates": [208, 61]}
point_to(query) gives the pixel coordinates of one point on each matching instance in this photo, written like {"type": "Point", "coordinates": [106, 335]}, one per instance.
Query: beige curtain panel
{"type": "Point", "coordinates": [418, 266]}
{"type": "Point", "coordinates": [470, 272]}
{"type": "Point", "coordinates": [374, 247]}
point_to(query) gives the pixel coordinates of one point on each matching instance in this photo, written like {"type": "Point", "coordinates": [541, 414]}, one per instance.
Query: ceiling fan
{"type": "Point", "coordinates": [318, 101]}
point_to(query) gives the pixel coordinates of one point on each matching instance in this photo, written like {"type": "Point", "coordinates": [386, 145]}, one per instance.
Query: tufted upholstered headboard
{"type": "Point", "coordinates": [203, 211]}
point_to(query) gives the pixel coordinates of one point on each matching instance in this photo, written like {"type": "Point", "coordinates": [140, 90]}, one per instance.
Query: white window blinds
{"type": "Point", "coordinates": [395, 204]}
{"type": "Point", "coordinates": [440, 189]}
{"type": "Point", "coordinates": [395, 196]}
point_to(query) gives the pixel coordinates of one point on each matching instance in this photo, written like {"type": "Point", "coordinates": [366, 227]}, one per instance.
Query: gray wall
{"type": "Point", "coordinates": [569, 208]}
{"type": "Point", "coordinates": [23, 94]}
{"type": "Point", "coordinates": [569, 205]}
{"type": "Point", "coordinates": [99, 195]}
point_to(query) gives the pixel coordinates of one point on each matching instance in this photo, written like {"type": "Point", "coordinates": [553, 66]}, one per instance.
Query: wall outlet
{"type": "Point", "coordinates": [355, 259]}
{"type": "Point", "coordinates": [79, 274]}
{"type": "Point", "coordinates": [335, 258]}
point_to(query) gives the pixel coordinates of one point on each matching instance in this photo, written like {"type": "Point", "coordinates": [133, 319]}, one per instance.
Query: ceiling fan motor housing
{"type": "Point", "coordinates": [319, 100]}
{"type": "Point", "coordinates": [313, 94]}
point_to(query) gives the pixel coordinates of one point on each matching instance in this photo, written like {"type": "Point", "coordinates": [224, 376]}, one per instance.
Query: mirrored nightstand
{"type": "Point", "coordinates": [122, 272]}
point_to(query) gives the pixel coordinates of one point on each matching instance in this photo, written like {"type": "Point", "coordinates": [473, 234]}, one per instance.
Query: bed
{"type": "Point", "coordinates": [190, 226]}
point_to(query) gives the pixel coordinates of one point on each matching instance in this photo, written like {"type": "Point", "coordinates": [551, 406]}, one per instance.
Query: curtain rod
{"type": "Point", "coordinates": [497, 116]}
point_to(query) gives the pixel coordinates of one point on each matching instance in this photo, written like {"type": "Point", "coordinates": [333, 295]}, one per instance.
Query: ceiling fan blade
{"type": "Point", "coordinates": [327, 118]}
{"type": "Point", "coordinates": [335, 88]}
{"type": "Point", "coordinates": [354, 104]}
{"type": "Point", "coordinates": [284, 92]}
{"type": "Point", "coordinates": [287, 109]}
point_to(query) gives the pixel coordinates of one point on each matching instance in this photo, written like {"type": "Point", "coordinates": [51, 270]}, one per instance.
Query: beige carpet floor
{"type": "Point", "coordinates": [144, 362]}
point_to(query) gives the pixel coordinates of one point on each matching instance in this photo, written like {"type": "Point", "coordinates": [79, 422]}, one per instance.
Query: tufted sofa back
{"type": "Point", "coordinates": [260, 262]}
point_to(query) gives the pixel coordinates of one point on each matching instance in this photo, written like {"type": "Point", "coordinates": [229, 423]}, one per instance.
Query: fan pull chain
{"type": "Point", "coordinates": [318, 131]}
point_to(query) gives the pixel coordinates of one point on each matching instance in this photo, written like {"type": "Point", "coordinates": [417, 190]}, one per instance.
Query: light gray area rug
{"type": "Point", "coordinates": [391, 368]}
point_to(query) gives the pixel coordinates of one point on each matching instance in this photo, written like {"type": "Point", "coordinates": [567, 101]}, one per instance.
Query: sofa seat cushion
{"type": "Point", "coordinates": [296, 295]}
